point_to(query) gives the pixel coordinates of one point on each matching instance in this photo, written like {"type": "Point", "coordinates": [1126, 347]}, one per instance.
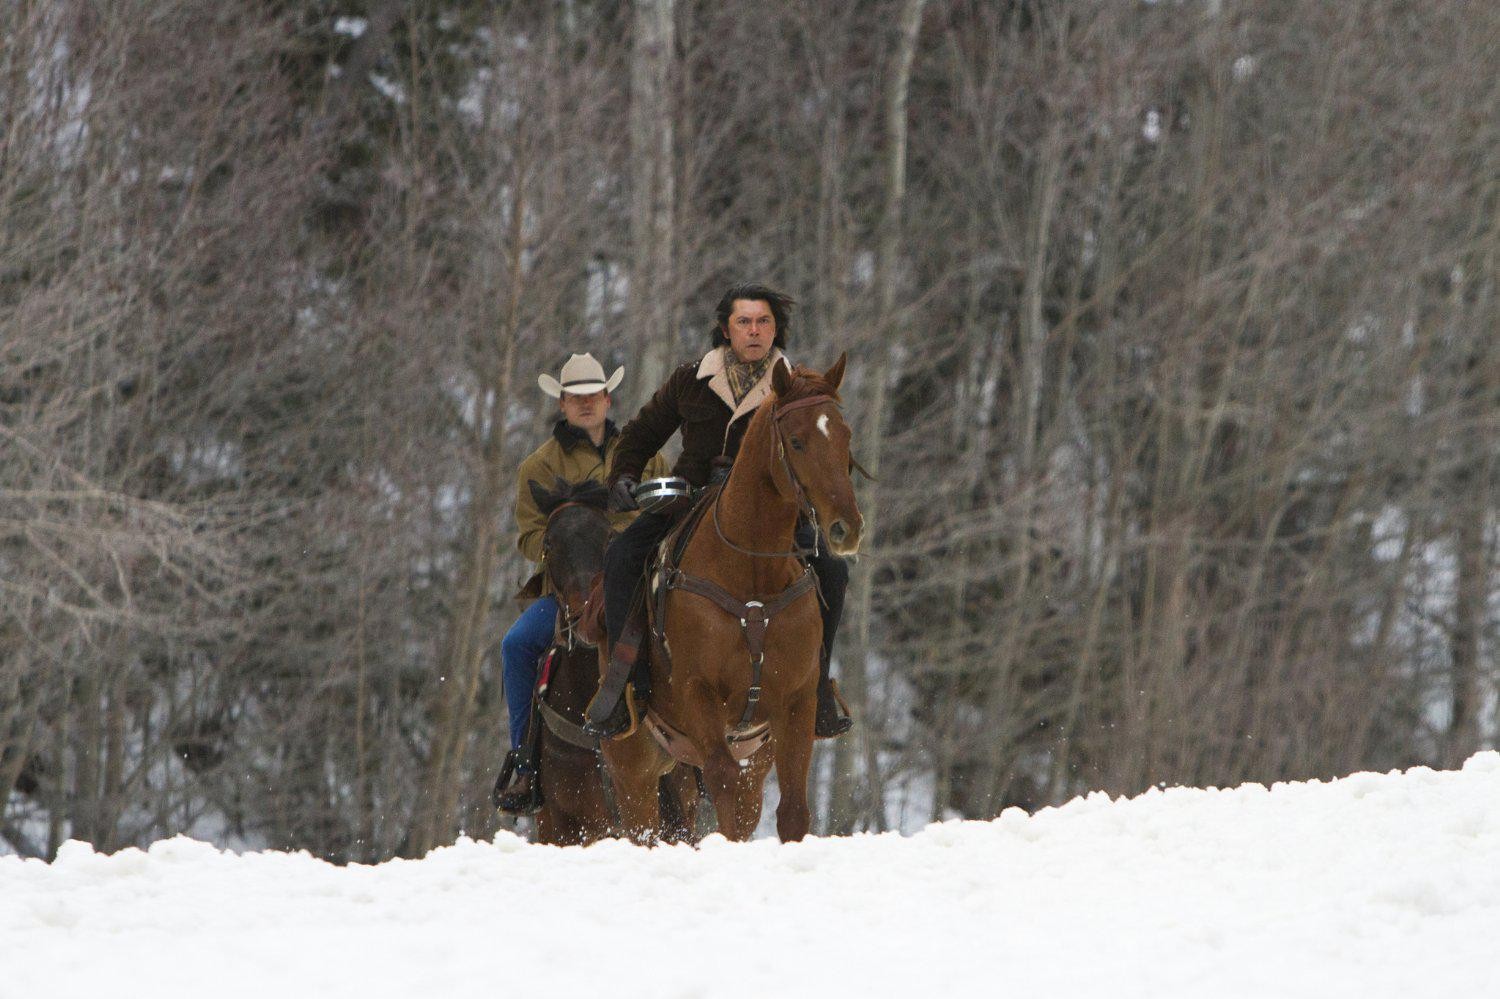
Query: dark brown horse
{"type": "Point", "coordinates": [741, 590]}
{"type": "Point", "coordinates": [576, 796]}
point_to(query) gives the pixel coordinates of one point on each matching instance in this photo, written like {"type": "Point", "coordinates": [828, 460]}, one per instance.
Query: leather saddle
{"type": "Point", "coordinates": [664, 563]}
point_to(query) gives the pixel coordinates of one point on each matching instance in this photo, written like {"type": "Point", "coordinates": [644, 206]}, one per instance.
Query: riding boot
{"type": "Point", "coordinates": [608, 714]}
{"type": "Point", "coordinates": [832, 716]}
{"type": "Point", "coordinates": [523, 798]}
{"type": "Point", "coordinates": [618, 718]}
{"type": "Point", "coordinates": [517, 790]}
{"type": "Point", "coordinates": [617, 721]}
{"type": "Point", "coordinates": [523, 794]}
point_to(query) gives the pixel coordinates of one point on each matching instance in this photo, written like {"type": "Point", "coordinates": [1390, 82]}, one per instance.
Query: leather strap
{"type": "Point", "coordinates": [621, 662]}
{"type": "Point", "coordinates": [754, 617]}
{"type": "Point", "coordinates": [791, 407]}
{"type": "Point", "coordinates": [565, 730]}
{"type": "Point", "coordinates": [611, 798]}
{"type": "Point", "coordinates": [573, 735]}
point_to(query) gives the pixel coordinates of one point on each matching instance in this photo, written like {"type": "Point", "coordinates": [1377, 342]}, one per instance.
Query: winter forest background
{"type": "Point", "coordinates": [1172, 330]}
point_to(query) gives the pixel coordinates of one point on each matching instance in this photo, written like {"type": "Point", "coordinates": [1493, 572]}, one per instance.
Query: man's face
{"type": "Point", "coordinates": [752, 329]}
{"type": "Point", "coordinates": [586, 412]}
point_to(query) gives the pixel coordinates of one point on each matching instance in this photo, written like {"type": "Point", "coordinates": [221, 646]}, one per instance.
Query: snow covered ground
{"type": "Point", "coordinates": [1375, 885]}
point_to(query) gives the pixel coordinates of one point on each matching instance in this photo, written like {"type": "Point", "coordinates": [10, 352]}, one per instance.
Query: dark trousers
{"type": "Point", "coordinates": [625, 564]}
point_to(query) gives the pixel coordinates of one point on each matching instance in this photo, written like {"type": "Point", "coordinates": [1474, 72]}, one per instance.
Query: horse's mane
{"type": "Point", "coordinates": [807, 382]}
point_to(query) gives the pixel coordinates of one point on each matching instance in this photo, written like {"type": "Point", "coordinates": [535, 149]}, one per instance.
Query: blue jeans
{"type": "Point", "coordinates": [520, 653]}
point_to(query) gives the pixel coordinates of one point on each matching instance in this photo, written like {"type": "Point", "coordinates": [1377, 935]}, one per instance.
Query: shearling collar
{"type": "Point", "coordinates": [712, 368]}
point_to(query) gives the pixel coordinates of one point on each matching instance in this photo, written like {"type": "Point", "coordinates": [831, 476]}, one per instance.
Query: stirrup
{"type": "Point", "coordinates": [519, 802]}
{"type": "Point", "coordinates": [836, 720]}
{"type": "Point", "coordinates": [507, 771]}
{"type": "Point", "coordinates": [506, 800]}
{"type": "Point", "coordinates": [621, 722]}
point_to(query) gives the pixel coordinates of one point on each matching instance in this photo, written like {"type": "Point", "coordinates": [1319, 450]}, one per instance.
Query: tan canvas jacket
{"type": "Point", "coordinates": [572, 457]}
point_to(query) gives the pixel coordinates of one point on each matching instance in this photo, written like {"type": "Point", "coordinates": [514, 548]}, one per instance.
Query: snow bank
{"type": "Point", "coordinates": [1375, 885]}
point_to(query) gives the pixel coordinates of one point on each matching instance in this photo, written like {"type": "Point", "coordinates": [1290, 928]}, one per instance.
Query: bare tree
{"type": "Point", "coordinates": [1171, 346]}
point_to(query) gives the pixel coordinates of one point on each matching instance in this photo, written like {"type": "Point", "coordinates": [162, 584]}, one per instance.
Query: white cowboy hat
{"type": "Point", "coordinates": [582, 375]}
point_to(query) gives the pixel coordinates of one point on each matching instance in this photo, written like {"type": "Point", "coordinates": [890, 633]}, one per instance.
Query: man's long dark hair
{"type": "Point", "coordinates": [779, 304]}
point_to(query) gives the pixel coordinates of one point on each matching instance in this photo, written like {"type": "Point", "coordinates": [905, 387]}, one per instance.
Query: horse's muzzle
{"type": "Point", "coordinates": [843, 539]}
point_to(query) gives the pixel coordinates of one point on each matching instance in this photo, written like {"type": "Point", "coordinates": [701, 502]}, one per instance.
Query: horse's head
{"type": "Point", "coordinates": [576, 535]}
{"type": "Point", "coordinates": [814, 439]}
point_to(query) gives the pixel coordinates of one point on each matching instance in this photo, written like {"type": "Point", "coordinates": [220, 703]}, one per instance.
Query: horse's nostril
{"type": "Point", "coordinates": [837, 532]}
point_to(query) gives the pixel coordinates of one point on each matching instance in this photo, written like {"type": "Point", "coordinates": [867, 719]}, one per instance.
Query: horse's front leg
{"type": "Point", "coordinates": [680, 785]}
{"type": "Point", "coordinates": [553, 828]}
{"type": "Point", "coordinates": [633, 765]}
{"type": "Point", "coordinates": [751, 792]}
{"type": "Point", "coordinates": [792, 737]}
{"type": "Point", "coordinates": [721, 776]}
{"type": "Point", "coordinates": [736, 791]}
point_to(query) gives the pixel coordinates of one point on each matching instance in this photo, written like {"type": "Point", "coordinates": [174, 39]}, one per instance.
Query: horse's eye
{"type": "Point", "coordinates": [796, 443]}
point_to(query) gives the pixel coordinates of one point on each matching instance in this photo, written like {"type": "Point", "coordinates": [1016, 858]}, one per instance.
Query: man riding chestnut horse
{"type": "Point", "coordinates": [711, 401]}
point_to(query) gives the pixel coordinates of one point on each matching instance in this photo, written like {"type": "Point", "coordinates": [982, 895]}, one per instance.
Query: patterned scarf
{"type": "Point", "coordinates": [743, 375]}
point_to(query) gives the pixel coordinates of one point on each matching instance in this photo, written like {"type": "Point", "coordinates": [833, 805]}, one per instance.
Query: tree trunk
{"type": "Point", "coordinates": [1479, 399]}
{"type": "Point", "coordinates": [653, 194]}
{"type": "Point", "coordinates": [459, 669]}
{"type": "Point", "coordinates": [844, 809]}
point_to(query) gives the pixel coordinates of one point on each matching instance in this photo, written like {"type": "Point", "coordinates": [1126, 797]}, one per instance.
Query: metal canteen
{"type": "Point", "coordinates": [663, 495]}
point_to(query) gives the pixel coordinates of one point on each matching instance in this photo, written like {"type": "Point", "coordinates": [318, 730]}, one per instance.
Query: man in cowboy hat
{"type": "Point", "coordinates": [583, 442]}
{"type": "Point", "coordinates": [710, 401]}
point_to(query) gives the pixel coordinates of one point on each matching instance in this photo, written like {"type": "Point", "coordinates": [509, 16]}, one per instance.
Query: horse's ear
{"type": "Point", "coordinates": [592, 493]}
{"type": "Point", "coordinates": [543, 499]}
{"type": "Point", "coordinates": [781, 378]}
{"type": "Point", "coordinates": [834, 376]}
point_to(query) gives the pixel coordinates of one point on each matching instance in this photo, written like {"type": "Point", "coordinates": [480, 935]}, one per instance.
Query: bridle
{"type": "Point", "coordinates": [805, 509]}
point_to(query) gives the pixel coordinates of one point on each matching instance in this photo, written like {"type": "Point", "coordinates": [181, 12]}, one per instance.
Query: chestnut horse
{"type": "Point", "coordinates": [742, 585]}
{"type": "Point", "coordinates": [576, 807]}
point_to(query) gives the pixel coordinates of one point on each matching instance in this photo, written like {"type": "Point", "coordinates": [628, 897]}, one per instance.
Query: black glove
{"type": "Point", "coordinates": [622, 495]}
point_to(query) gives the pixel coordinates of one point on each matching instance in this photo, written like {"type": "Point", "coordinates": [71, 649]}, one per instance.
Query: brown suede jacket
{"type": "Point", "coordinates": [695, 399]}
